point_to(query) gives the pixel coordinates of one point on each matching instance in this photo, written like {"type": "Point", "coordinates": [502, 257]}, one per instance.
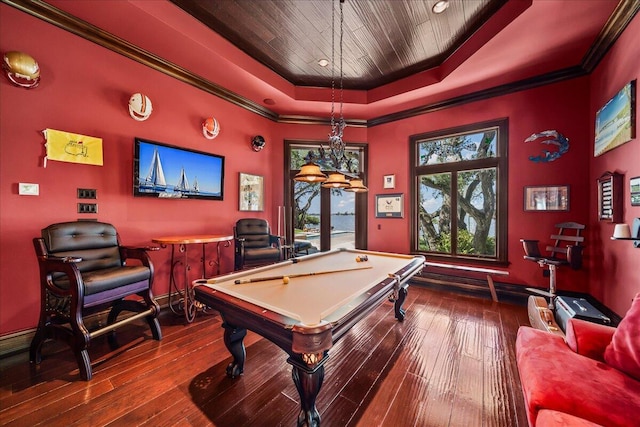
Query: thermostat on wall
{"type": "Point", "coordinates": [28, 189]}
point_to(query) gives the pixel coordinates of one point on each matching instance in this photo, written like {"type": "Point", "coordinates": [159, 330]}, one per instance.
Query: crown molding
{"type": "Point", "coordinates": [62, 19]}
{"type": "Point", "coordinates": [625, 11]}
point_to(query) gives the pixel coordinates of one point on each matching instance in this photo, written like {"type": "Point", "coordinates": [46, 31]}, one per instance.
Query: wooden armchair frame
{"type": "Point", "coordinates": [71, 288]}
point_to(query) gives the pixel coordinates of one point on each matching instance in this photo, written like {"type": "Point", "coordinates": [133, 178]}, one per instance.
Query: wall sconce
{"type": "Point", "coordinates": [624, 232]}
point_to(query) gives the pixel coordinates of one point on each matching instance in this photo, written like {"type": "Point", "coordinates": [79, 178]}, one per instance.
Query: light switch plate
{"type": "Point", "coordinates": [28, 189]}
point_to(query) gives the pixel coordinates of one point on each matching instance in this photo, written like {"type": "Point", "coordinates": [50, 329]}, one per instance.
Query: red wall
{"type": "Point", "coordinates": [529, 112]}
{"type": "Point", "coordinates": [615, 277]}
{"type": "Point", "coordinates": [85, 89]}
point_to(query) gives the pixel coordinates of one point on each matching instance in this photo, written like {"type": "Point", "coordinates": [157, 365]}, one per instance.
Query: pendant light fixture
{"type": "Point", "coordinates": [310, 172]}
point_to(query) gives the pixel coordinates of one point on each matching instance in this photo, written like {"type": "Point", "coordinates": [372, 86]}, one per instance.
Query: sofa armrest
{"type": "Point", "coordinates": [588, 339]}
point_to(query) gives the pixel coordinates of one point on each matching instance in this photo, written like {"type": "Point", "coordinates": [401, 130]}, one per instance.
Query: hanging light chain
{"type": "Point", "coordinates": [333, 66]}
{"type": "Point", "coordinates": [341, 74]}
{"type": "Point", "coordinates": [336, 143]}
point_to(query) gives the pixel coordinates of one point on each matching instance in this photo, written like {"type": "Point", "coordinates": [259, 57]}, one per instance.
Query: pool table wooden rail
{"type": "Point", "coordinates": [262, 321]}
{"type": "Point", "coordinates": [307, 345]}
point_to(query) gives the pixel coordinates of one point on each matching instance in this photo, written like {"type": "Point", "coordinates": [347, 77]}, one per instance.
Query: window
{"type": "Point", "coordinates": [460, 192]}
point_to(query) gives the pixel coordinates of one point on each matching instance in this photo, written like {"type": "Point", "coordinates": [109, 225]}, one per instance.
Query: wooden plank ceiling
{"type": "Point", "coordinates": [384, 40]}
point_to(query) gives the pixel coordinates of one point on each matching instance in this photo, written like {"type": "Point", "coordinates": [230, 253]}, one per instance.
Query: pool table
{"type": "Point", "coordinates": [304, 305]}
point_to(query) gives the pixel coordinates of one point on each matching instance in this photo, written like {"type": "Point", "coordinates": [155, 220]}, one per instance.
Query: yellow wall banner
{"type": "Point", "coordinates": [71, 147]}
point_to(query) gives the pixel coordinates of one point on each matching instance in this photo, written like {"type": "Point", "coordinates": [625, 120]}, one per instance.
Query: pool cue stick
{"type": "Point", "coordinates": [263, 279]}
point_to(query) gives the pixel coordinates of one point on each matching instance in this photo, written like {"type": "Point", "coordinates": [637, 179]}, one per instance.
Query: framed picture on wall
{"type": "Point", "coordinates": [634, 186]}
{"type": "Point", "coordinates": [390, 205]}
{"type": "Point", "coordinates": [251, 192]}
{"type": "Point", "coordinates": [389, 181]}
{"type": "Point", "coordinates": [546, 198]}
{"type": "Point", "coordinates": [616, 120]}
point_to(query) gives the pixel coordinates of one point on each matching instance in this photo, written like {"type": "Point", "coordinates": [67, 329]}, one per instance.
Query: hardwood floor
{"type": "Point", "coordinates": [450, 363]}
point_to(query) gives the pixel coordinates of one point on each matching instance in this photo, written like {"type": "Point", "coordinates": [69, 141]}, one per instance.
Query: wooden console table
{"type": "Point", "coordinates": [186, 301]}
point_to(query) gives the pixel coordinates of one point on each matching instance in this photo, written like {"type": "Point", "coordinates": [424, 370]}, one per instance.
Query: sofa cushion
{"type": "Point", "coordinates": [554, 377]}
{"type": "Point", "coordinates": [547, 417]}
{"type": "Point", "coordinates": [623, 352]}
{"type": "Point", "coordinates": [588, 338]}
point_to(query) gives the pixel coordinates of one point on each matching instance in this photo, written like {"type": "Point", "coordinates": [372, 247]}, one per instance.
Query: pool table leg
{"type": "Point", "coordinates": [402, 295]}
{"type": "Point", "coordinates": [234, 341]}
{"type": "Point", "coordinates": [308, 383]}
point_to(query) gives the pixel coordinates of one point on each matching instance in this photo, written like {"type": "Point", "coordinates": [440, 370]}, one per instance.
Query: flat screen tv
{"type": "Point", "coordinates": [165, 171]}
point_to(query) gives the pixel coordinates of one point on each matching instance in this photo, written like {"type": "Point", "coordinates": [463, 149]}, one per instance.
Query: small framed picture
{"type": "Point", "coordinates": [546, 198]}
{"type": "Point", "coordinates": [251, 192]}
{"type": "Point", "coordinates": [389, 181]}
{"type": "Point", "coordinates": [390, 205]}
{"type": "Point", "coordinates": [634, 186]}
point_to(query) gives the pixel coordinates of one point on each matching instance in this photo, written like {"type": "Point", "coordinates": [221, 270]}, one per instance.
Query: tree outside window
{"type": "Point", "coordinates": [460, 192]}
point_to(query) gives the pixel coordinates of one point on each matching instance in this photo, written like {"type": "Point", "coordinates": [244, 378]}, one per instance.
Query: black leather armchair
{"type": "Point", "coordinates": [83, 270]}
{"type": "Point", "coordinates": [254, 243]}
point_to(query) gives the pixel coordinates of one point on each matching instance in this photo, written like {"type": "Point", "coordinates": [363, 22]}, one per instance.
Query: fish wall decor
{"type": "Point", "coordinates": [552, 137]}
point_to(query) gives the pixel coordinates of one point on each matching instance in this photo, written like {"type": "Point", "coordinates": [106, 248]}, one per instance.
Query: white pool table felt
{"type": "Point", "coordinates": [311, 299]}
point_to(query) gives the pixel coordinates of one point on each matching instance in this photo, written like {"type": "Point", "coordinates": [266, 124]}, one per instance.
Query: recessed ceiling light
{"type": "Point", "coordinates": [323, 62]}
{"type": "Point", "coordinates": [440, 6]}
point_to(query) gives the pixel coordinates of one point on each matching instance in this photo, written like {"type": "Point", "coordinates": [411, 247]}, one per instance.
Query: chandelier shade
{"type": "Point", "coordinates": [310, 172]}
{"type": "Point", "coordinates": [336, 180]}
{"type": "Point", "coordinates": [357, 186]}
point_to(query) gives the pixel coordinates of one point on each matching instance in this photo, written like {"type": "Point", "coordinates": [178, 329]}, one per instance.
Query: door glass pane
{"type": "Point", "coordinates": [434, 213]}
{"type": "Point", "coordinates": [477, 212]}
{"type": "Point", "coordinates": [299, 157]}
{"type": "Point", "coordinates": [321, 157]}
{"type": "Point", "coordinates": [343, 219]}
{"type": "Point", "coordinates": [306, 212]}
{"type": "Point", "coordinates": [458, 148]}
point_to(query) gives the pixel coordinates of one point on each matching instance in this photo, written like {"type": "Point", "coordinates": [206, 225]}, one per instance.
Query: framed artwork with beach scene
{"type": "Point", "coordinates": [616, 121]}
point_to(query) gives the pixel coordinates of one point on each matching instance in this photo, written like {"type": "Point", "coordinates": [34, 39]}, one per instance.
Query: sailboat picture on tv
{"type": "Point", "coordinates": [167, 171]}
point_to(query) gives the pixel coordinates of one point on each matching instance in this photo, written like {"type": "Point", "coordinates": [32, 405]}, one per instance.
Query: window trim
{"type": "Point", "coordinates": [502, 187]}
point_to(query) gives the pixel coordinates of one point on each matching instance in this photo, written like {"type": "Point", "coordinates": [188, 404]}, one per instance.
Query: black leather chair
{"type": "Point", "coordinates": [254, 243]}
{"type": "Point", "coordinates": [83, 269]}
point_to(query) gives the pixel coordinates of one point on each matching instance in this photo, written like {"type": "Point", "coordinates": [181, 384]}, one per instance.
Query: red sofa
{"type": "Point", "coordinates": [591, 377]}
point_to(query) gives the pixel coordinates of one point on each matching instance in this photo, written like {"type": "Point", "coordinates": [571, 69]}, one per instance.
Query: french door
{"type": "Point", "coordinates": [325, 218]}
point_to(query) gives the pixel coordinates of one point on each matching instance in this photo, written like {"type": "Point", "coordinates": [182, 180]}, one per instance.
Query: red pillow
{"type": "Point", "coordinates": [623, 353]}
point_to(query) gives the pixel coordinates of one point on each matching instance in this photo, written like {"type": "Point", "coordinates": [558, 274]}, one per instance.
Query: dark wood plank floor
{"type": "Point", "coordinates": [450, 363]}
